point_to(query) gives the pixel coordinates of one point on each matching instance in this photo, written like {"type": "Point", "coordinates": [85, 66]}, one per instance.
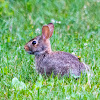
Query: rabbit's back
{"type": "Point", "coordinates": [59, 63]}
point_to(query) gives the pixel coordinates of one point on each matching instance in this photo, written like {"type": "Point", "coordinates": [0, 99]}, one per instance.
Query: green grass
{"type": "Point", "coordinates": [78, 32]}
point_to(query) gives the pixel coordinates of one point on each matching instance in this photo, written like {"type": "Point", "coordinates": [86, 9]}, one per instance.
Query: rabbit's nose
{"type": "Point", "coordinates": [26, 48]}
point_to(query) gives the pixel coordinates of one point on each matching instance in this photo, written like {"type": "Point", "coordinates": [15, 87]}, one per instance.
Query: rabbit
{"type": "Point", "coordinates": [47, 61]}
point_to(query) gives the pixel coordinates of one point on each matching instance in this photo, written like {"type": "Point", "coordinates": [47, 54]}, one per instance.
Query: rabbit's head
{"type": "Point", "coordinates": [40, 44]}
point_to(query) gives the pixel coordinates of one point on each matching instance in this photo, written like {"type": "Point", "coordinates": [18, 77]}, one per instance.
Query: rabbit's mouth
{"type": "Point", "coordinates": [30, 52]}
{"type": "Point", "coordinates": [36, 52]}
{"type": "Point", "coordinates": [33, 53]}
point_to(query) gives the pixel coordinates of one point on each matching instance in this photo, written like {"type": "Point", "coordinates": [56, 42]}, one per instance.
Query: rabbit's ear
{"type": "Point", "coordinates": [45, 32]}
{"type": "Point", "coordinates": [51, 28]}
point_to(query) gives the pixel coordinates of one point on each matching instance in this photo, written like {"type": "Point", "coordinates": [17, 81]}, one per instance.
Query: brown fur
{"type": "Point", "coordinates": [48, 61]}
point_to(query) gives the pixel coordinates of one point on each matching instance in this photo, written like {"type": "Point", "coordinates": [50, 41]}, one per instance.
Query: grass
{"type": "Point", "coordinates": [77, 30]}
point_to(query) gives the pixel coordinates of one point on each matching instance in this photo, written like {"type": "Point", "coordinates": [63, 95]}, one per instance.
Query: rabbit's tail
{"type": "Point", "coordinates": [88, 70]}
{"type": "Point", "coordinates": [89, 73]}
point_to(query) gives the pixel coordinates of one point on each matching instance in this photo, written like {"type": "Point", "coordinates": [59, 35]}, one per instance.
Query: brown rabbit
{"type": "Point", "coordinates": [47, 61]}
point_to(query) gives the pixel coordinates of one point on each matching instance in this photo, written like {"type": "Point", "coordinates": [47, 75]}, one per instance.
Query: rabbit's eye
{"type": "Point", "coordinates": [34, 42]}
